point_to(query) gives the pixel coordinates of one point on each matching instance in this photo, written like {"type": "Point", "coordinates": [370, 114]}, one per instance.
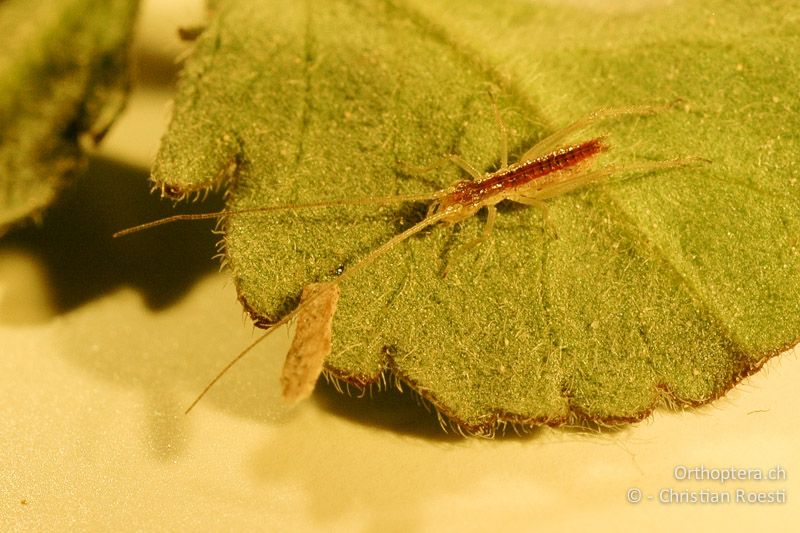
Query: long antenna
{"type": "Point", "coordinates": [379, 200]}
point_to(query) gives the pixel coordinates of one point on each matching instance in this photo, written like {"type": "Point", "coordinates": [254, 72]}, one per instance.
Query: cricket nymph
{"type": "Point", "coordinates": [514, 182]}
{"type": "Point", "coordinates": [547, 170]}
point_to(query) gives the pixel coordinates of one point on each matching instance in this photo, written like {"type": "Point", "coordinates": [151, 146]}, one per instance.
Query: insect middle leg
{"type": "Point", "coordinates": [455, 257]}
{"type": "Point", "coordinates": [503, 129]}
{"type": "Point", "coordinates": [460, 162]}
{"type": "Point", "coordinates": [541, 205]}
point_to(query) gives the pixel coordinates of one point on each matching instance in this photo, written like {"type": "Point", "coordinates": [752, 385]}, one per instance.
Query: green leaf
{"type": "Point", "coordinates": [664, 288]}
{"type": "Point", "coordinates": [62, 75]}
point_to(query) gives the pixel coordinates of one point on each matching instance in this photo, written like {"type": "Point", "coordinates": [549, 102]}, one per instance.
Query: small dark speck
{"type": "Point", "coordinates": [23, 502]}
{"type": "Point", "coordinates": [339, 270]}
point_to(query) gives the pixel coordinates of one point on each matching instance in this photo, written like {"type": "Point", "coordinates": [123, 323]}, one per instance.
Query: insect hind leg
{"type": "Point", "coordinates": [569, 182]}
{"type": "Point", "coordinates": [558, 138]}
{"type": "Point", "coordinates": [577, 180]}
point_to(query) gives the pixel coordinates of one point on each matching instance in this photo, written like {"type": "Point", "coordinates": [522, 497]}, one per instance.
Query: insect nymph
{"type": "Point", "coordinates": [549, 169]}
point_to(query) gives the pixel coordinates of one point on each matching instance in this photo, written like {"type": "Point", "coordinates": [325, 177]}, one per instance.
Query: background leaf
{"type": "Point", "coordinates": [668, 287]}
{"type": "Point", "coordinates": [62, 74]}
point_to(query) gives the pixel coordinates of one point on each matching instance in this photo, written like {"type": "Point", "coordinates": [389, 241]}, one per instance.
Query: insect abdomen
{"type": "Point", "coordinates": [515, 176]}
{"type": "Point", "coordinates": [558, 160]}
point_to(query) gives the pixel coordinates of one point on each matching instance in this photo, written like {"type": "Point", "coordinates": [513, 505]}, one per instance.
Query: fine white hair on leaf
{"type": "Point", "coordinates": [312, 341]}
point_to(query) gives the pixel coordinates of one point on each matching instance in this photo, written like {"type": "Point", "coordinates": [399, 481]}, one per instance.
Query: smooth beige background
{"type": "Point", "coordinates": [104, 343]}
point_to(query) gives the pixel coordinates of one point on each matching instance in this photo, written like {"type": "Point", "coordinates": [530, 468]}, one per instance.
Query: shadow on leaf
{"type": "Point", "coordinates": [81, 261]}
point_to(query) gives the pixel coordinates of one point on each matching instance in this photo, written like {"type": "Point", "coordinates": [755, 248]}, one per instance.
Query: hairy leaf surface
{"type": "Point", "coordinates": [667, 287]}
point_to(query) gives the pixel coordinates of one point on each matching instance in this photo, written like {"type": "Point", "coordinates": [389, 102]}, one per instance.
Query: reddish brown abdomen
{"type": "Point", "coordinates": [563, 158]}
{"type": "Point", "coordinates": [525, 172]}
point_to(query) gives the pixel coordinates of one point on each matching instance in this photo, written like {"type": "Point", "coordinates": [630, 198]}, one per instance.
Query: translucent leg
{"type": "Point", "coordinates": [557, 139]}
{"type": "Point", "coordinates": [455, 257]}
{"type": "Point", "coordinates": [541, 205]}
{"type": "Point", "coordinates": [503, 129]}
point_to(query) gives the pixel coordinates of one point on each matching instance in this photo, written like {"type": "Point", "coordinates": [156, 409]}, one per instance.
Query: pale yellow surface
{"type": "Point", "coordinates": [97, 368]}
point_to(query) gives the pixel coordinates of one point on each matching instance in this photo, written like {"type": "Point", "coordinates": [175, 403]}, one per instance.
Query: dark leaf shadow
{"type": "Point", "coordinates": [387, 409]}
{"type": "Point", "coordinates": [403, 412]}
{"type": "Point", "coordinates": [82, 261]}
